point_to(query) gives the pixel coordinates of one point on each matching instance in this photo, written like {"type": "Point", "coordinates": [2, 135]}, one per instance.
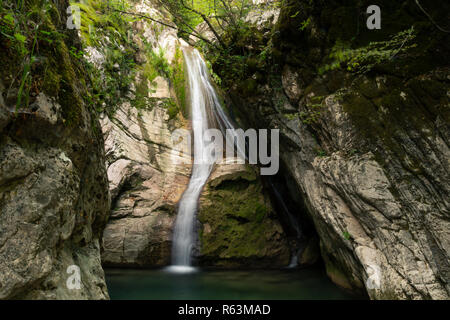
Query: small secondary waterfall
{"type": "Point", "coordinates": [293, 222]}
{"type": "Point", "coordinates": [206, 111]}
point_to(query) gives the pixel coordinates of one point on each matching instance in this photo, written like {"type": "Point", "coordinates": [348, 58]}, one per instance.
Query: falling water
{"type": "Point", "coordinates": [294, 223]}
{"type": "Point", "coordinates": [206, 112]}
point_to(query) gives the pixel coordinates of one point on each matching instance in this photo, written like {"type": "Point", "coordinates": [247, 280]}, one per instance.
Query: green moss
{"type": "Point", "coordinates": [172, 108]}
{"type": "Point", "coordinates": [69, 97]}
{"type": "Point", "coordinates": [44, 64]}
{"type": "Point", "coordinates": [237, 227]}
{"type": "Point", "coordinates": [248, 87]}
{"type": "Point", "coordinates": [97, 18]}
{"type": "Point", "coordinates": [179, 80]}
{"type": "Point", "coordinates": [141, 100]}
{"type": "Point", "coordinates": [51, 84]}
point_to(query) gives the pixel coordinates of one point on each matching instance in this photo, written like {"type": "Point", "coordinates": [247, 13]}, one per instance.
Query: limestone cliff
{"type": "Point", "coordinates": [147, 172]}
{"type": "Point", "coordinates": [149, 169]}
{"type": "Point", "coordinates": [364, 142]}
{"type": "Point", "coordinates": [54, 197]}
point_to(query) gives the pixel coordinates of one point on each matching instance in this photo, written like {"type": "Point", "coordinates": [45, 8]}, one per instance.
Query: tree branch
{"type": "Point", "coordinates": [194, 34]}
{"type": "Point", "coordinates": [431, 19]}
{"type": "Point", "coordinates": [206, 21]}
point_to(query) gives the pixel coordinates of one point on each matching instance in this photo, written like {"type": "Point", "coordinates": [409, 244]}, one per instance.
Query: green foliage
{"type": "Point", "coordinates": [292, 116]}
{"type": "Point", "coordinates": [77, 54]}
{"type": "Point", "coordinates": [312, 112]}
{"type": "Point", "coordinates": [346, 235]}
{"type": "Point", "coordinates": [213, 75]}
{"type": "Point", "coordinates": [309, 117]}
{"type": "Point", "coordinates": [362, 60]}
{"type": "Point", "coordinates": [20, 38]}
{"type": "Point", "coordinates": [241, 48]}
{"type": "Point", "coordinates": [159, 63]}
{"type": "Point", "coordinates": [111, 83]}
{"type": "Point", "coordinates": [100, 18]}
{"type": "Point", "coordinates": [305, 24]}
{"type": "Point", "coordinates": [321, 153]}
{"type": "Point", "coordinates": [179, 80]}
{"type": "Point", "coordinates": [23, 26]}
{"type": "Point", "coordinates": [28, 27]}
{"type": "Point", "coordinates": [141, 99]}
{"type": "Point", "coordinates": [29, 34]}
{"type": "Point", "coordinates": [172, 108]}
{"type": "Point", "coordinates": [187, 15]}
{"type": "Point", "coordinates": [105, 29]}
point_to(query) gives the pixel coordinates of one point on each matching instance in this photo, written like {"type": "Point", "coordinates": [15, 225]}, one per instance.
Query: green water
{"type": "Point", "coordinates": [213, 284]}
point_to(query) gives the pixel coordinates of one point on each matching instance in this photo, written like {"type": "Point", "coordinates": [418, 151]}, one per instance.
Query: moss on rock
{"type": "Point", "coordinates": [238, 227]}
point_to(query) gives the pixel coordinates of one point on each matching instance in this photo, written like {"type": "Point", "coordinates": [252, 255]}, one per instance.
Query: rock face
{"type": "Point", "coordinates": [384, 206]}
{"type": "Point", "coordinates": [238, 225]}
{"type": "Point", "coordinates": [147, 178]}
{"type": "Point", "coordinates": [147, 169]}
{"type": "Point", "coordinates": [368, 155]}
{"type": "Point", "coordinates": [148, 162]}
{"type": "Point", "coordinates": [54, 197]}
{"type": "Point", "coordinates": [146, 183]}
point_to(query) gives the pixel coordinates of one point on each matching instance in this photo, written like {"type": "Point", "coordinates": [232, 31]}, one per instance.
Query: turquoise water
{"type": "Point", "coordinates": [213, 284]}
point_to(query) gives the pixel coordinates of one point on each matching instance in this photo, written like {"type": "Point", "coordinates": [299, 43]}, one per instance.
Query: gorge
{"type": "Point", "coordinates": [97, 169]}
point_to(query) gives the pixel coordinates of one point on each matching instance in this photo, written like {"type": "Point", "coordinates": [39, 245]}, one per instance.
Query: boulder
{"type": "Point", "coordinates": [239, 227]}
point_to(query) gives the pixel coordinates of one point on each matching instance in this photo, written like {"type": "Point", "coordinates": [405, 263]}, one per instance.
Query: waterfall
{"type": "Point", "coordinates": [293, 222]}
{"type": "Point", "coordinates": [205, 107]}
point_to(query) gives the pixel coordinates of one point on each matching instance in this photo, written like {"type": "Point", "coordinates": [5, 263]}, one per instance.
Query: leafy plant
{"type": "Point", "coordinates": [21, 26]}
{"type": "Point", "coordinates": [312, 112]}
{"type": "Point", "coordinates": [77, 54]}
{"type": "Point", "coordinates": [305, 24]}
{"type": "Point", "coordinates": [346, 235]}
{"type": "Point", "coordinates": [321, 153]}
{"type": "Point", "coordinates": [104, 28]}
{"type": "Point", "coordinates": [178, 80]}
{"type": "Point", "coordinates": [292, 116]}
{"type": "Point", "coordinates": [362, 60]}
{"type": "Point", "coordinates": [160, 63]}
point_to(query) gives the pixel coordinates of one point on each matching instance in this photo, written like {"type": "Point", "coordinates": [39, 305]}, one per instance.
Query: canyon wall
{"type": "Point", "coordinates": [366, 151]}
{"type": "Point", "coordinates": [54, 199]}
{"type": "Point", "coordinates": [148, 161]}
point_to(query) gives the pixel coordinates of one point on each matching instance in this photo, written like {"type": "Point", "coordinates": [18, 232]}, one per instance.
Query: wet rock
{"type": "Point", "coordinates": [147, 178]}
{"type": "Point", "coordinates": [238, 225]}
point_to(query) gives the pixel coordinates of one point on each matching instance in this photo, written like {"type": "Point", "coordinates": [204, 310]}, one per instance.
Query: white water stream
{"type": "Point", "coordinates": [203, 101]}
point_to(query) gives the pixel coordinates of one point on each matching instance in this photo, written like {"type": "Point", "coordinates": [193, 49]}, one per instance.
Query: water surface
{"type": "Point", "coordinates": [212, 284]}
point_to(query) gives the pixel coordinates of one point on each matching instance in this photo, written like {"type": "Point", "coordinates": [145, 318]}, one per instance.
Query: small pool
{"type": "Point", "coordinates": [165, 284]}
